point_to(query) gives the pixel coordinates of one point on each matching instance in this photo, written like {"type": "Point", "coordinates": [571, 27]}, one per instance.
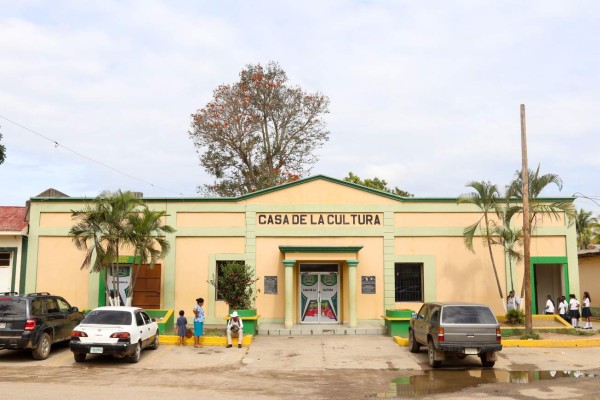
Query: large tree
{"type": "Point", "coordinates": [111, 223]}
{"type": "Point", "coordinates": [258, 132]}
{"type": "Point", "coordinates": [376, 183]}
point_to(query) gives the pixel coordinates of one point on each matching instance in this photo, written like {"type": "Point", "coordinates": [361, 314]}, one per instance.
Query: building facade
{"type": "Point", "coordinates": [325, 251]}
{"type": "Point", "coordinates": [13, 248]}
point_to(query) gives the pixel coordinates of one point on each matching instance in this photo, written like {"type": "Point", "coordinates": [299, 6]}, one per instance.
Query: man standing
{"type": "Point", "coordinates": [198, 321]}
{"type": "Point", "coordinates": [235, 326]}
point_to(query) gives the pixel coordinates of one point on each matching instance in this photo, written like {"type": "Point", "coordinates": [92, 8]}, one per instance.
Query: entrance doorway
{"type": "Point", "coordinates": [319, 293]}
{"type": "Point", "coordinates": [548, 281]}
{"type": "Point", "coordinates": [146, 293]}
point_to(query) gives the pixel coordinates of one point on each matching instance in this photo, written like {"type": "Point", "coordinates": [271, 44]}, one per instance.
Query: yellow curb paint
{"type": "Point", "coordinates": [212, 341]}
{"type": "Point", "coordinates": [531, 343]}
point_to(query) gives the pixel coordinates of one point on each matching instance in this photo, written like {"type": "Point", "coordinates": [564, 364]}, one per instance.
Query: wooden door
{"type": "Point", "coordinates": [146, 293]}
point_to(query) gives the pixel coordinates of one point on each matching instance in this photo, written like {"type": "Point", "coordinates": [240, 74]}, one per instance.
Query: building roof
{"type": "Point", "coordinates": [591, 251]}
{"type": "Point", "coordinates": [13, 218]}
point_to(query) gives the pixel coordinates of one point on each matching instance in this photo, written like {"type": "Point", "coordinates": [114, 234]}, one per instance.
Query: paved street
{"type": "Point", "coordinates": [317, 367]}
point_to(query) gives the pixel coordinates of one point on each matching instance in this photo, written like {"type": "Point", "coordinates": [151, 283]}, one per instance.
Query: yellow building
{"type": "Point", "coordinates": [325, 251]}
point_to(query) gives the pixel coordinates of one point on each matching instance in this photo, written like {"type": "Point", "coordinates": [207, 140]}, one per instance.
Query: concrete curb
{"type": "Point", "coordinates": [213, 341]}
{"type": "Point", "coordinates": [531, 343]}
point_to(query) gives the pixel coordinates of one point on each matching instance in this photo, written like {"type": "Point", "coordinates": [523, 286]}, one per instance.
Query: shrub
{"type": "Point", "coordinates": [531, 335]}
{"type": "Point", "coordinates": [235, 285]}
{"type": "Point", "coordinates": [515, 317]}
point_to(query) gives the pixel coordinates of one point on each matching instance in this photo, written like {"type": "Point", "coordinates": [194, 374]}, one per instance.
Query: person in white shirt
{"type": "Point", "coordinates": [586, 312]}
{"type": "Point", "coordinates": [562, 308]}
{"type": "Point", "coordinates": [236, 326]}
{"type": "Point", "coordinates": [549, 305]}
{"type": "Point", "coordinates": [513, 302]}
{"type": "Point", "coordinates": [574, 310]}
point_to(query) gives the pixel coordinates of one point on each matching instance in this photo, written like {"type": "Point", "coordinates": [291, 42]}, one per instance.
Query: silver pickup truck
{"type": "Point", "coordinates": [461, 329]}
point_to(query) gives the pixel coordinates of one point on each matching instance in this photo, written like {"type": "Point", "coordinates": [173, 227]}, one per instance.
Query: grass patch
{"type": "Point", "coordinates": [207, 332]}
{"type": "Point", "coordinates": [535, 334]}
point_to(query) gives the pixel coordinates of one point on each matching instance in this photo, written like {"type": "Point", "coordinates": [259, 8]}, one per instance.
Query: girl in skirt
{"type": "Point", "coordinates": [586, 313]}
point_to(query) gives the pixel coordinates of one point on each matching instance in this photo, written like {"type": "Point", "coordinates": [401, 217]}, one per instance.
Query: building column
{"type": "Point", "coordinates": [289, 293]}
{"type": "Point", "coordinates": [352, 292]}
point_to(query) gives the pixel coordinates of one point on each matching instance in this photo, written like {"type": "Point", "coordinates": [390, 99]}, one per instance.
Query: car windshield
{"type": "Point", "coordinates": [108, 317]}
{"type": "Point", "coordinates": [468, 315]}
{"type": "Point", "coordinates": [11, 306]}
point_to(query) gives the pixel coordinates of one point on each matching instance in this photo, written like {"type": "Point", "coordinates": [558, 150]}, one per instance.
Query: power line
{"type": "Point", "coordinates": [56, 145]}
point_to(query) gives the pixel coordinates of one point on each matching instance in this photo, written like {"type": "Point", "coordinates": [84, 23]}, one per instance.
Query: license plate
{"type": "Point", "coordinates": [2, 325]}
{"type": "Point", "coordinates": [96, 350]}
{"type": "Point", "coordinates": [470, 351]}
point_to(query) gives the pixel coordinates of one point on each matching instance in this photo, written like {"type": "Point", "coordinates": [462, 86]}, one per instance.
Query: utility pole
{"type": "Point", "coordinates": [526, 225]}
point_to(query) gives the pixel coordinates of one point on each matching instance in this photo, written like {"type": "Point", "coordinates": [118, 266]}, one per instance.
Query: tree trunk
{"type": "Point", "coordinates": [526, 224]}
{"type": "Point", "coordinates": [489, 243]}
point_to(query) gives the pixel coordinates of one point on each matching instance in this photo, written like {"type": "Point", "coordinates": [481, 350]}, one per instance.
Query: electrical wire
{"type": "Point", "coordinates": [56, 145]}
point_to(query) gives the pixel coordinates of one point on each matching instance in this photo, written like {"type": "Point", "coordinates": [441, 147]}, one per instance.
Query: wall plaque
{"type": "Point", "coordinates": [270, 284]}
{"type": "Point", "coordinates": [368, 284]}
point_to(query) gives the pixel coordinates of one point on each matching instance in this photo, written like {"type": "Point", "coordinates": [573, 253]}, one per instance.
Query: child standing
{"type": "Point", "coordinates": [574, 310]}
{"type": "Point", "coordinates": [181, 327]}
{"type": "Point", "coordinates": [198, 321]}
{"type": "Point", "coordinates": [549, 305]}
{"type": "Point", "coordinates": [586, 312]}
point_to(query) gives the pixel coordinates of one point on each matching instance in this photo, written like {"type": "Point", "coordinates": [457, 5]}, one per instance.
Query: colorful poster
{"type": "Point", "coordinates": [319, 298]}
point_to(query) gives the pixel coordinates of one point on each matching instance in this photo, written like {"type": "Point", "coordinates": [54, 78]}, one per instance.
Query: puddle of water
{"type": "Point", "coordinates": [448, 381]}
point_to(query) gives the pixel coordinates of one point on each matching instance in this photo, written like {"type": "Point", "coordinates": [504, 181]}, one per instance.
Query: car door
{"type": "Point", "coordinates": [72, 319]}
{"type": "Point", "coordinates": [55, 319]}
{"type": "Point", "coordinates": [419, 324]}
{"type": "Point", "coordinates": [149, 327]}
{"type": "Point", "coordinates": [142, 320]}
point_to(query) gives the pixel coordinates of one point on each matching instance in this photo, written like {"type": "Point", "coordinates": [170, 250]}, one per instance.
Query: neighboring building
{"type": "Point", "coordinates": [325, 250]}
{"type": "Point", "coordinates": [589, 274]}
{"type": "Point", "coordinates": [13, 248]}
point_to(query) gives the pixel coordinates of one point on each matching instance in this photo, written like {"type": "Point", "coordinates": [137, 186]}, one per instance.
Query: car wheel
{"type": "Point", "coordinates": [485, 362]}
{"type": "Point", "coordinates": [154, 344]}
{"type": "Point", "coordinates": [79, 357]}
{"type": "Point", "coordinates": [137, 355]}
{"type": "Point", "coordinates": [431, 355]}
{"type": "Point", "coordinates": [42, 351]}
{"type": "Point", "coordinates": [413, 345]}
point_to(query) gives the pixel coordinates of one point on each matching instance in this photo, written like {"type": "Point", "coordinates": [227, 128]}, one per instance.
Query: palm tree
{"type": "Point", "coordinates": [537, 207]}
{"type": "Point", "coordinates": [486, 198]}
{"type": "Point", "coordinates": [103, 228]}
{"type": "Point", "coordinates": [147, 237]}
{"type": "Point", "coordinates": [509, 237]}
{"type": "Point", "coordinates": [584, 223]}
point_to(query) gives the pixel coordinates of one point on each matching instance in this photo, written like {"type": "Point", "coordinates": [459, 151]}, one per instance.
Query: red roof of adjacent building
{"type": "Point", "coordinates": [13, 218]}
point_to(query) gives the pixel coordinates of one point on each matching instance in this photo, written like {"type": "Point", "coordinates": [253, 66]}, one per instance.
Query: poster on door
{"type": "Point", "coordinates": [124, 277]}
{"type": "Point", "coordinates": [319, 298]}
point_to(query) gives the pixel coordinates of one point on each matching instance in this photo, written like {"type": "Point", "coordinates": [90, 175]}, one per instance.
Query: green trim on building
{"type": "Point", "coordinates": [320, 249]}
{"type": "Point", "coordinates": [289, 185]}
{"type": "Point", "coordinates": [23, 271]}
{"type": "Point", "coordinates": [541, 261]}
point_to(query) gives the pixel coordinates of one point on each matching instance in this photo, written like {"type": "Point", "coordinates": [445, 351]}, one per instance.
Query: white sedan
{"type": "Point", "coordinates": [116, 331]}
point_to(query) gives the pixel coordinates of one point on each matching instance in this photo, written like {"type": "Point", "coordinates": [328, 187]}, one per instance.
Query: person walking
{"type": "Point", "coordinates": [574, 310]}
{"type": "Point", "coordinates": [586, 312]}
{"type": "Point", "coordinates": [181, 327]}
{"type": "Point", "coordinates": [549, 306]}
{"type": "Point", "coordinates": [235, 326]}
{"type": "Point", "coordinates": [198, 321]}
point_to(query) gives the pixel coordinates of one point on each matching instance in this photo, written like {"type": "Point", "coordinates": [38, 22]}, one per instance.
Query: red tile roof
{"type": "Point", "coordinates": [12, 218]}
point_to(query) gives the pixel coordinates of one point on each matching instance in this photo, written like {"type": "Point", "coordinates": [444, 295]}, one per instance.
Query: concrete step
{"type": "Point", "coordinates": [304, 330]}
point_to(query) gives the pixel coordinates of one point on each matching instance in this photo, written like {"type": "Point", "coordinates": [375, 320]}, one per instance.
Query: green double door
{"type": "Point", "coordinates": [319, 293]}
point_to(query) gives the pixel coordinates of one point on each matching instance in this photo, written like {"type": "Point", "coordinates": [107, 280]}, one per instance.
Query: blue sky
{"type": "Point", "coordinates": [423, 94]}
